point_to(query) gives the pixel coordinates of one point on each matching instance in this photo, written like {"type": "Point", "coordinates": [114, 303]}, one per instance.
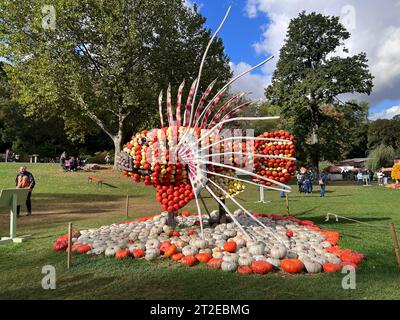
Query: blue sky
{"type": "Point", "coordinates": [256, 29]}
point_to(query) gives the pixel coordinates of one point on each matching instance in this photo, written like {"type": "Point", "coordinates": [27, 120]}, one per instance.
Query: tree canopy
{"type": "Point", "coordinates": [104, 62]}
{"type": "Point", "coordinates": [309, 77]}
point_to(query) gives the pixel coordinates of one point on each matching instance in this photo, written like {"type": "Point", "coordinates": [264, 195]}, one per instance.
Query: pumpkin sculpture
{"type": "Point", "coordinates": [190, 153]}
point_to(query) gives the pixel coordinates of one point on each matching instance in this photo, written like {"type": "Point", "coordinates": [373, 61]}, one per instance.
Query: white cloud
{"type": "Point", "coordinates": [374, 27]}
{"type": "Point", "coordinates": [253, 84]}
{"type": "Point", "coordinates": [386, 114]}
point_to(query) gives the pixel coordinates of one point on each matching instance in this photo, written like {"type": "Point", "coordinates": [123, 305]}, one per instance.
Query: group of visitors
{"type": "Point", "coordinates": [365, 176]}
{"type": "Point", "coordinates": [305, 181]}
{"type": "Point", "coordinates": [71, 163]}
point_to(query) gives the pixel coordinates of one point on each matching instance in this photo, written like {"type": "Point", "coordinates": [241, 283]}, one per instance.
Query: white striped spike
{"type": "Point", "coordinates": [160, 109]}
{"type": "Point", "coordinates": [245, 181]}
{"type": "Point", "coordinates": [186, 116]}
{"type": "Point", "coordinates": [243, 138]}
{"type": "Point", "coordinates": [169, 108]}
{"type": "Point", "coordinates": [204, 58]}
{"type": "Point", "coordinates": [245, 172]}
{"type": "Point", "coordinates": [203, 100]}
{"type": "Point", "coordinates": [224, 108]}
{"type": "Point", "coordinates": [178, 104]}
{"type": "Point", "coordinates": [255, 155]}
{"type": "Point", "coordinates": [227, 211]}
{"type": "Point", "coordinates": [229, 83]}
{"type": "Point", "coordinates": [209, 132]}
{"type": "Point", "coordinates": [236, 110]}
{"type": "Point", "coordinates": [211, 109]}
{"type": "Point", "coordinates": [198, 210]}
{"type": "Point", "coordinates": [268, 229]}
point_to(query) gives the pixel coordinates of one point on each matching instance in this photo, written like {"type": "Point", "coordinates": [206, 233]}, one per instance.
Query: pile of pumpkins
{"type": "Point", "coordinates": [278, 169]}
{"type": "Point", "coordinates": [279, 243]}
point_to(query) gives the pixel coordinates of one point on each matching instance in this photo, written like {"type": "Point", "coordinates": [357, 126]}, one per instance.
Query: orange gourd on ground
{"type": "Point", "coordinates": [292, 265]}
{"type": "Point", "coordinates": [331, 267]}
{"type": "Point", "coordinates": [138, 253]}
{"type": "Point", "coordinates": [164, 246]}
{"type": "Point", "coordinates": [189, 261]}
{"type": "Point", "coordinates": [244, 270]}
{"type": "Point", "coordinates": [203, 257]}
{"type": "Point", "coordinates": [215, 263]}
{"type": "Point", "coordinates": [177, 256]}
{"type": "Point", "coordinates": [261, 267]}
{"type": "Point", "coordinates": [172, 249]}
{"type": "Point", "coordinates": [122, 254]}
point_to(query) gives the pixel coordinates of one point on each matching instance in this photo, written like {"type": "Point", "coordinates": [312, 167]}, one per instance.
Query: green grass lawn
{"type": "Point", "coordinates": [61, 197]}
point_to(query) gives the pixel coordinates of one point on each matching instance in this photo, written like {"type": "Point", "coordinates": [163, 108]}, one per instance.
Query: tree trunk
{"type": "Point", "coordinates": [315, 147]}
{"type": "Point", "coordinates": [117, 148]}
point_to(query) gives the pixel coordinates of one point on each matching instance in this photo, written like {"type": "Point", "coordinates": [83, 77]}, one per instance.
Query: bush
{"type": "Point", "coordinates": [381, 156]}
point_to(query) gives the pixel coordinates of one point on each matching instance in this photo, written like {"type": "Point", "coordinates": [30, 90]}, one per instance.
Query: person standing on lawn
{"type": "Point", "coordinates": [323, 179]}
{"type": "Point", "coordinates": [25, 180]}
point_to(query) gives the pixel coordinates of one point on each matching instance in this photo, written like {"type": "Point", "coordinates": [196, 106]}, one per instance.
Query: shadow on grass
{"type": "Point", "coordinates": [79, 197]}
{"type": "Point", "coordinates": [109, 185]}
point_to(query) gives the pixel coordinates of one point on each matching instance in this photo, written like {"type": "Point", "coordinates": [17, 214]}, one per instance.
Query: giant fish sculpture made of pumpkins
{"type": "Point", "coordinates": [192, 153]}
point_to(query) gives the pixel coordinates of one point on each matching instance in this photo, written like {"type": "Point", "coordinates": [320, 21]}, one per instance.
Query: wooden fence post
{"type": "Point", "coordinates": [69, 256]}
{"type": "Point", "coordinates": [395, 243]}
{"type": "Point", "coordinates": [127, 206]}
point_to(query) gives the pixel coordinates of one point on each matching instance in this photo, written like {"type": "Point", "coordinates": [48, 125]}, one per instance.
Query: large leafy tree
{"type": "Point", "coordinates": [310, 75]}
{"type": "Point", "coordinates": [386, 132]}
{"type": "Point", "coordinates": [103, 63]}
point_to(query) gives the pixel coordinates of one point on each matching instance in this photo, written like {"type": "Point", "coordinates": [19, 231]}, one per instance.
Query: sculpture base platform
{"type": "Point", "coordinates": [15, 240]}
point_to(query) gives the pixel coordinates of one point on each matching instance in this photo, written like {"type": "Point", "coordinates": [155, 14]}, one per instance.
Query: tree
{"type": "Point", "coordinates": [381, 156]}
{"type": "Point", "coordinates": [34, 135]}
{"type": "Point", "coordinates": [105, 62]}
{"type": "Point", "coordinates": [384, 131]}
{"type": "Point", "coordinates": [310, 75]}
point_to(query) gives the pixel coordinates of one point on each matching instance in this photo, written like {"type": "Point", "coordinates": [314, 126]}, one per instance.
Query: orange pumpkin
{"type": "Point", "coordinates": [189, 261]}
{"type": "Point", "coordinates": [331, 267]}
{"type": "Point", "coordinates": [292, 265]}
{"type": "Point", "coordinates": [230, 246]}
{"type": "Point", "coordinates": [261, 267]}
{"type": "Point", "coordinates": [122, 254]}
{"type": "Point", "coordinates": [215, 263]}
{"type": "Point", "coordinates": [203, 257]}
{"type": "Point", "coordinates": [83, 248]}
{"type": "Point", "coordinates": [244, 270]}
{"type": "Point", "coordinates": [138, 253]}
{"type": "Point", "coordinates": [172, 249]}
{"type": "Point", "coordinates": [164, 246]}
{"type": "Point", "coordinates": [177, 256]}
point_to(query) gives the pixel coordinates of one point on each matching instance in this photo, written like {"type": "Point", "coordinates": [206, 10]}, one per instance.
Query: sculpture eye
{"type": "Point", "coordinates": [142, 140]}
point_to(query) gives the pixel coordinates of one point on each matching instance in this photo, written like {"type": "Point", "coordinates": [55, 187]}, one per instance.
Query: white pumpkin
{"type": "Point", "coordinates": [200, 243]}
{"type": "Point", "coordinates": [189, 251]}
{"type": "Point", "coordinates": [278, 252]}
{"type": "Point", "coordinates": [152, 243]}
{"type": "Point", "coordinates": [152, 254]}
{"type": "Point", "coordinates": [275, 262]}
{"type": "Point", "coordinates": [218, 255]}
{"type": "Point", "coordinates": [245, 261]}
{"type": "Point", "coordinates": [228, 266]}
{"type": "Point", "coordinates": [257, 249]}
{"type": "Point", "coordinates": [312, 267]}
{"type": "Point", "coordinates": [230, 257]}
